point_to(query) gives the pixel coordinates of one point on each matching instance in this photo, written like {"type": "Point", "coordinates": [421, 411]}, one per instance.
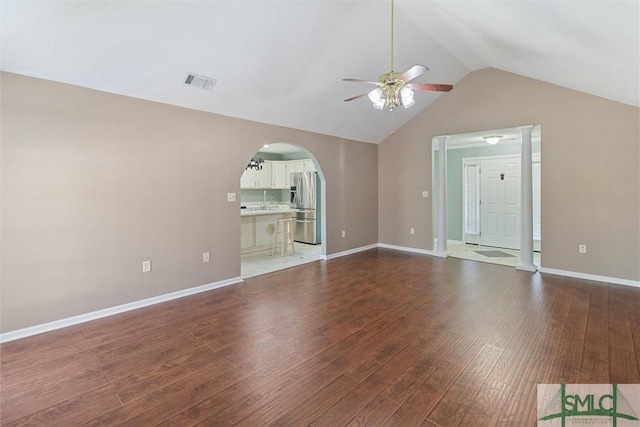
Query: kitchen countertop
{"type": "Point", "coordinates": [269, 211]}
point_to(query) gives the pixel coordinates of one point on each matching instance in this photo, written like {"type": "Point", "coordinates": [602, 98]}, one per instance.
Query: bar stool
{"type": "Point", "coordinates": [287, 235]}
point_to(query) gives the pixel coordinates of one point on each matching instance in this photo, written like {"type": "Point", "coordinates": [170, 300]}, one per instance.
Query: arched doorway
{"type": "Point", "coordinates": [266, 196]}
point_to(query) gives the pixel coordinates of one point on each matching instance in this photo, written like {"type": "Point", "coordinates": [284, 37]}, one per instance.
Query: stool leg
{"type": "Point", "coordinates": [293, 247]}
{"type": "Point", "coordinates": [284, 237]}
{"type": "Point", "coordinates": [275, 239]}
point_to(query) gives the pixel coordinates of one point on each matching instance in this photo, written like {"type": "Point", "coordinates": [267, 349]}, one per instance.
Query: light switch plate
{"type": "Point", "coordinates": [425, 194]}
{"type": "Point", "coordinates": [146, 266]}
{"type": "Point", "coordinates": [231, 197]}
{"type": "Point", "coordinates": [206, 257]}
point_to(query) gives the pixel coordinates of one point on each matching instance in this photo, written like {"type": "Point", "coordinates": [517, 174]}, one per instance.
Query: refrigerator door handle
{"type": "Point", "coordinates": [298, 188]}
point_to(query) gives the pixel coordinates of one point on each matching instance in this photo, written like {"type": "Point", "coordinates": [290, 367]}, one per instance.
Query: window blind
{"type": "Point", "coordinates": [537, 235]}
{"type": "Point", "coordinates": [472, 199]}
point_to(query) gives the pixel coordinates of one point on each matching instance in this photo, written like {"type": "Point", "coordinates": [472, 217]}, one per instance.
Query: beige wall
{"type": "Point", "coordinates": [96, 183]}
{"type": "Point", "coordinates": [590, 169]}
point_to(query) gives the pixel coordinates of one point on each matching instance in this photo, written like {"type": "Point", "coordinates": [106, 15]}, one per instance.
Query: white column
{"type": "Point", "coordinates": [526, 202]}
{"type": "Point", "coordinates": [441, 249]}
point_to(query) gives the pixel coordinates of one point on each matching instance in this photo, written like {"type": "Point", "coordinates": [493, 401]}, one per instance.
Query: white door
{"type": "Point", "coordinates": [500, 203]}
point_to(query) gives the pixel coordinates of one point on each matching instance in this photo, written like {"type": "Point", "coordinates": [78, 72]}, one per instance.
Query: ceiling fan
{"type": "Point", "coordinates": [396, 88]}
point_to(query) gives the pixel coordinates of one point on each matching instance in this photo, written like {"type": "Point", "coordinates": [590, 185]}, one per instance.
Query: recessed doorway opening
{"type": "Point", "coordinates": [482, 207]}
{"type": "Point", "coordinates": [278, 230]}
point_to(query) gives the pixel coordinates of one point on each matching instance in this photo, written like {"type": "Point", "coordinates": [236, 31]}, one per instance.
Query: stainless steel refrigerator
{"type": "Point", "coordinates": [305, 199]}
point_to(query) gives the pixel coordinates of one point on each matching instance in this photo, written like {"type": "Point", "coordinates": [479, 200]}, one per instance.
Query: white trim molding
{"type": "Point", "coordinates": [69, 321]}
{"type": "Point", "coordinates": [58, 324]}
{"type": "Point", "coordinates": [406, 249]}
{"type": "Point", "coordinates": [530, 268]}
{"type": "Point", "coordinates": [441, 248]}
{"type": "Point", "coordinates": [349, 252]}
{"type": "Point", "coordinates": [526, 201]}
{"type": "Point", "coordinates": [585, 276]}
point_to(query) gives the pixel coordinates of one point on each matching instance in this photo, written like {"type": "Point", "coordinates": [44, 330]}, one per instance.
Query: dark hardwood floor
{"type": "Point", "coordinates": [376, 338]}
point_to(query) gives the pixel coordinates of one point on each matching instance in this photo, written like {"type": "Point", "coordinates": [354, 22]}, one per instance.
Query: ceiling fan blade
{"type": "Point", "coordinates": [413, 72]}
{"type": "Point", "coordinates": [355, 97]}
{"type": "Point", "coordinates": [430, 86]}
{"type": "Point", "coordinates": [360, 81]}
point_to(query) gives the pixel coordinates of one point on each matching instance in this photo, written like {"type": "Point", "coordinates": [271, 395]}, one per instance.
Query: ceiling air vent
{"type": "Point", "coordinates": [200, 82]}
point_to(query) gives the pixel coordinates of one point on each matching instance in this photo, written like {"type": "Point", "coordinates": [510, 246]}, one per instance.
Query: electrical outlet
{"type": "Point", "coordinates": [582, 249]}
{"type": "Point", "coordinates": [206, 257]}
{"type": "Point", "coordinates": [425, 194]}
{"type": "Point", "coordinates": [146, 266]}
{"type": "Point", "coordinates": [412, 230]}
{"type": "Point", "coordinates": [231, 197]}
{"type": "Point", "coordinates": [344, 233]}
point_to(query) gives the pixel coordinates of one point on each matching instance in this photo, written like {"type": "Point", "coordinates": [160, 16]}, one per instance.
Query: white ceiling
{"type": "Point", "coordinates": [281, 62]}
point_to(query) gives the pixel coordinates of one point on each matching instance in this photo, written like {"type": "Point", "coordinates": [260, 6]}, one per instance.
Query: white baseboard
{"type": "Point", "coordinates": [529, 268]}
{"type": "Point", "coordinates": [69, 321]}
{"type": "Point", "coordinates": [58, 324]}
{"type": "Point", "coordinates": [407, 249]}
{"type": "Point", "coordinates": [576, 275]}
{"type": "Point", "coordinates": [74, 320]}
{"type": "Point", "coordinates": [350, 251]}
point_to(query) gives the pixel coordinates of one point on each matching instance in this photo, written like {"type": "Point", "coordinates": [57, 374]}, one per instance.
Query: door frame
{"type": "Point", "coordinates": [439, 210]}
{"type": "Point", "coordinates": [535, 158]}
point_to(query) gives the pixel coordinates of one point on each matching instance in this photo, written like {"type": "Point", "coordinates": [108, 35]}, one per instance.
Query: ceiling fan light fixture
{"type": "Point", "coordinates": [492, 140]}
{"type": "Point", "coordinates": [379, 104]}
{"type": "Point", "coordinates": [407, 97]}
{"type": "Point", "coordinates": [391, 90]}
{"type": "Point", "coordinates": [375, 95]}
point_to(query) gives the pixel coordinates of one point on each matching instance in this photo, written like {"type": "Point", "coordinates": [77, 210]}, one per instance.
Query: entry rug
{"type": "Point", "coordinates": [495, 254]}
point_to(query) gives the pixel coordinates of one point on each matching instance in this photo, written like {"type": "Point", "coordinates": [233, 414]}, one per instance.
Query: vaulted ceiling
{"type": "Point", "coordinates": [282, 62]}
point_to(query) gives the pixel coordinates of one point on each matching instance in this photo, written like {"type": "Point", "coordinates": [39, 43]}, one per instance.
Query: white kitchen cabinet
{"type": "Point", "coordinates": [257, 231]}
{"type": "Point", "coordinates": [304, 165]}
{"type": "Point", "coordinates": [263, 176]}
{"type": "Point", "coordinates": [280, 175]}
{"type": "Point", "coordinates": [265, 229]}
{"type": "Point", "coordinates": [309, 166]}
{"type": "Point", "coordinates": [275, 173]}
{"type": "Point", "coordinates": [252, 178]}
{"type": "Point", "coordinates": [297, 165]}
{"type": "Point", "coordinates": [247, 233]}
{"type": "Point", "coordinates": [248, 179]}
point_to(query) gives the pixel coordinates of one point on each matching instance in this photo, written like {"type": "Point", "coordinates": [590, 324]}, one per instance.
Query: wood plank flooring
{"type": "Point", "coordinates": [379, 338]}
